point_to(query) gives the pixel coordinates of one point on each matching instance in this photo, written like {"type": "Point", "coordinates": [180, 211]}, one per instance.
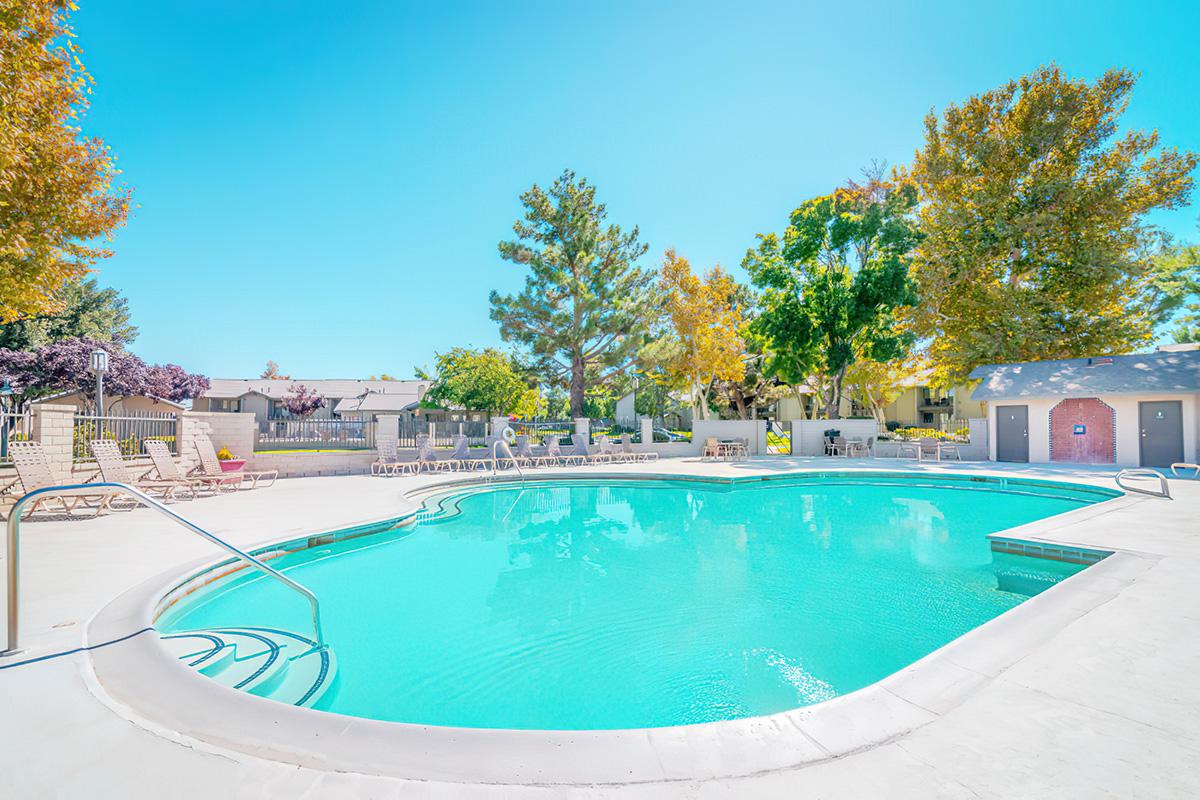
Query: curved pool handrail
{"type": "Point", "coordinates": [1163, 489]}
{"type": "Point", "coordinates": [86, 489]}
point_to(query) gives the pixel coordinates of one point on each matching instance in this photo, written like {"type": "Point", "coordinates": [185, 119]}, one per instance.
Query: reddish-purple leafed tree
{"type": "Point", "coordinates": [65, 366]}
{"type": "Point", "coordinates": [173, 382]}
{"type": "Point", "coordinates": [300, 401]}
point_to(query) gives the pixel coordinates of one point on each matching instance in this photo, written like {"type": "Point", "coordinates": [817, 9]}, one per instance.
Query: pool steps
{"type": "Point", "coordinates": [267, 662]}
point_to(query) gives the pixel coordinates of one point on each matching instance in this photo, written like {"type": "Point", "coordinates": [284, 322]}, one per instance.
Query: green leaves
{"type": "Point", "coordinates": [834, 284]}
{"type": "Point", "coordinates": [1033, 213]}
{"type": "Point", "coordinates": [56, 187]}
{"type": "Point", "coordinates": [585, 302]}
{"type": "Point", "coordinates": [484, 380]}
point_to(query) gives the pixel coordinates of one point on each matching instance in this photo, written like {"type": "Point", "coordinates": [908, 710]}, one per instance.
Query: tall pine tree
{"type": "Point", "coordinates": [586, 302]}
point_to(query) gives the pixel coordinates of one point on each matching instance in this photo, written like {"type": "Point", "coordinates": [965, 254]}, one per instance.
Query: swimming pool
{"type": "Point", "coordinates": [631, 603]}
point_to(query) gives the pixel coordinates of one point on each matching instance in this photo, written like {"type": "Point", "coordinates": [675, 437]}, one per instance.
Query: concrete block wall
{"type": "Point", "coordinates": [808, 435]}
{"type": "Point", "coordinates": [303, 465]}
{"type": "Point", "coordinates": [53, 426]}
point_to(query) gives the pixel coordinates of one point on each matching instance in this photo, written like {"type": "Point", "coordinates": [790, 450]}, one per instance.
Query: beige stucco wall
{"type": "Point", "coordinates": [1128, 428]}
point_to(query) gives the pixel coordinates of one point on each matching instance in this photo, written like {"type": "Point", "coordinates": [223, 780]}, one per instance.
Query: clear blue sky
{"type": "Point", "coordinates": [324, 184]}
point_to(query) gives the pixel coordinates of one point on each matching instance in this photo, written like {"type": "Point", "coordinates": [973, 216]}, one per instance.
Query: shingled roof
{"type": "Point", "coordinates": [1148, 373]}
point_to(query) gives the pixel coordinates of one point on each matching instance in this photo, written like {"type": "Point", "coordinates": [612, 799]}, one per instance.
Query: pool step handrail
{"type": "Point", "coordinates": [93, 489]}
{"type": "Point", "coordinates": [1164, 490]}
{"type": "Point", "coordinates": [496, 446]}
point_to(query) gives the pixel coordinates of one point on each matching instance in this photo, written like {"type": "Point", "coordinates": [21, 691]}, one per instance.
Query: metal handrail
{"type": "Point", "coordinates": [510, 457]}
{"type": "Point", "coordinates": [1164, 490]}
{"type": "Point", "coordinates": [92, 489]}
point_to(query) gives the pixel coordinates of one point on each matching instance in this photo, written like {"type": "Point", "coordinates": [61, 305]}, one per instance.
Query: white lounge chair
{"type": "Point", "coordinates": [428, 457]}
{"type": "Point", "coordinates": [554, 451]}
{"type": "Point", "coordinates": [464, 459]}
{"type": "Point", "coordinates": [34, 472]}
{"type": "Point", "coordinates": [168, 470]}
{"type": "Point", "coordinates": [526, 456]}
{"type": "Point", "coordinates": [585, 452]}
{"type": "Point", "coordinates": [210, 466]}
{"type": "Point", "coordinates": [388, 461]}
{"type": "Point", "coordinates": [633, 455]}
{"type": "Point", "coordinates": [114, 469]}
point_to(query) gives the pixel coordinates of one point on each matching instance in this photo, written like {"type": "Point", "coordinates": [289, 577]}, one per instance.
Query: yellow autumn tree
{"type": "Point", "coordinates": [56, 185]}
{"type": "Point", "coordinates": [707, 321]}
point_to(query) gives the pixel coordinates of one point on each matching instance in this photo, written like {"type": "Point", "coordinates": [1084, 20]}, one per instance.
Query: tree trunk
{"type": "Point", "coordinates": [740, 402]}
{"type": "Point", "coordinates": [576, 386]}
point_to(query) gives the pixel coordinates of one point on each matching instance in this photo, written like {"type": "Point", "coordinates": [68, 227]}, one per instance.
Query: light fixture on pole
{"type": "Point", "coordinates": [99, 366]}
{"type": "Point", "coordinates": [6, 393]}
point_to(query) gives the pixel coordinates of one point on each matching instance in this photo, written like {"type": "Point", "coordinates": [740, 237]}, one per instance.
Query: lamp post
{"type": "Point", "coordinates": [6, 393]}
{"type": "Point", "coordinates": [99, 366]}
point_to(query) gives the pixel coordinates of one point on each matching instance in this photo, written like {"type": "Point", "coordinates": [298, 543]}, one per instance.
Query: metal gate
{"type": "Point", "coordinates": [779, 437]}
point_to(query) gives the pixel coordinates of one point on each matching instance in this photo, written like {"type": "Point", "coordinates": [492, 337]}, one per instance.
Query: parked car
{"type": "Point", "coordinates": [661, 435]}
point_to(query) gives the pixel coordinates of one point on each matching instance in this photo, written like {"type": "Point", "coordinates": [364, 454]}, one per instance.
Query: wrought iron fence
{"type": "Point", "coordinates": [538, 431]}
{"type": "Point", "coordinates": [13, 428]}
{"type": "Point", "coordinates": [444, 431]}
{"type": "Point", "coordinates": [129, 430]}
{"type": "Point", "coordinates": [315, 434]}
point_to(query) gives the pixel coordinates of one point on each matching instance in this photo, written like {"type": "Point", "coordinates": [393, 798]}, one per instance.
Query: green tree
{"type": "Point", "coordinates": [478, 380]}
{"type": "Point", "coordinates": [833, 287]}
{"type": "Point", "coordinates": [1175, 284]}
{"type": "Point", "coordinates": [1033, 214]}
{"type": "Point", "coordinates": [87, 312]}
{"type": "Point", "coordinates": [56, 186]}
{"type": "Point", "coordinates": [585, 301]}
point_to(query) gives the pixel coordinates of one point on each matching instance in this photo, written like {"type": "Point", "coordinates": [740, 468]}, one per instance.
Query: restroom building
{"type": "Point", "coordinates": [1132, 410]}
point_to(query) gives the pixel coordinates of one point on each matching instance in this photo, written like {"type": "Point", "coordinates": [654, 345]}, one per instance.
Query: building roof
{"type": "Point", "coordinates": [1145, 373]}
{"type": "Point", "coordinates": [377, 402]}
{"type": "Point", "coordinates": [228, 388]}
{"type": "Point", "coordinates": [109, 399]}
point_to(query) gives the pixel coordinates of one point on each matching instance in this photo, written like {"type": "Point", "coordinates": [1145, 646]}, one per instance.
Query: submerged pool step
{"type": "Point", "coordinates": [268, 662]}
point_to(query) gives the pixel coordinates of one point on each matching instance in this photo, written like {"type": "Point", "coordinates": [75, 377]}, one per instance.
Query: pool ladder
{"type": "Point", "coordinates": [1163, 489]}
{"type": "Point", "coordinates": [94, 489]}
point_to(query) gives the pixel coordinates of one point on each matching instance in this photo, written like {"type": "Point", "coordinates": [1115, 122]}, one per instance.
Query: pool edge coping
{"type": "Point", "coordinates": [143, 683]}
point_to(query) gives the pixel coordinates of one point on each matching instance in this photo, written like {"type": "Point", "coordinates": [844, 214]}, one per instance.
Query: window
{"type": "Point", "coordinates": [223, 404]}
{"type": "Point", "coordinates": [926, 417]}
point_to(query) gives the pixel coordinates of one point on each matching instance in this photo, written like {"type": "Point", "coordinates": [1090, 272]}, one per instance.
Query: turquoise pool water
{"type": "Point", "coordinates": [645, 604]}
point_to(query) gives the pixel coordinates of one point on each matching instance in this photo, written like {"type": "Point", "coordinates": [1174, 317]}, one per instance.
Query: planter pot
{"type": "Point", "coordinates": [233, 465]}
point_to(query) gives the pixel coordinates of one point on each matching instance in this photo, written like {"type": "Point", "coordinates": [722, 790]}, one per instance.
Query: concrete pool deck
{"type": "Point", "coordinates": [1106, 701]}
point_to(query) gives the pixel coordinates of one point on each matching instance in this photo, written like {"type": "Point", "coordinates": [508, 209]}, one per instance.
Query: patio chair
{"type": "Point", "coordinates": [866, 448]}
{"type": "Point", "coordinates": [554, 451]}
{"type": "Point", "coordinates": [462, 457]}
{"type": "Point", "coordinates": [427, 457]}
{"type": "Point", "coordinates": [114, 469]}
{"type": "Point", "coordinates": [910, 447]}
{"type": "Point", "coordinates": [167, 470]}
{"type": "Point", "coordinates": [712, 449]}
{"type": "Point", "coordinates": [585, 452]}
{"type": "Point", "coordinates": [388, 461]}
{"type": "Point", "coordinates": [210, 465]}
{"type": "Point", "coordinates": [34, 472]}
{"type": "Point", "coordinates": [930, 447]}
{"type": "Point", "coordinates": [832, 447]}
{"type": "Point", "coordinates": [633, 455]}
{"type": "Point", "coordinates": [948, 449]}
